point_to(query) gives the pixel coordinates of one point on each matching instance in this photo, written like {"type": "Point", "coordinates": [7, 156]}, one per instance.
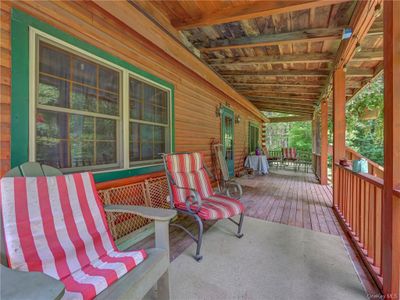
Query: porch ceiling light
{"type": "Point", "coordinates": [237, 119]}
{"type": "Point", "coordinates": [347, 33]}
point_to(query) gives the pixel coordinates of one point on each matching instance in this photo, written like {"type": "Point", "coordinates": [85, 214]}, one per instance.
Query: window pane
{"type": "Point", "coordinates": [108, 80]}
{"type": "Point", "coordinates": [70, 140]}
{"type": "Point", "coordinates": [83, 98]}
{"type": "Point", "coordinates": [147, 103]}
{"type": "Point", "coordinates": [106, 129]}
{"type": "Point", "coordinates": [84, 72]}
{"type": "Point", "coordinates": [134, 144]}
{"type": "Point", "coordinates": [106, 153]}
{"type": "Point", "coordinates": [146, 142]}
{"type": "Point", "coordinates": [108, 103]}
{"type": "Point", "coordinates": [53, 61]}
{"type": "Point", "coordinates": [53, 91]}
{"type": "Point", "coordinates": [51, 138]}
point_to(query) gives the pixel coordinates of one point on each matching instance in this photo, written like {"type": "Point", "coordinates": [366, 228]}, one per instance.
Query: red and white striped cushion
{"type": "Point", "coordinates": [217, 207]}
{"type": "Point", "coordinates": [289, 153]}
{"type": "Point", "coordinates": [56, 225]}
{"type": "Point", "coordinates": [188, 171]}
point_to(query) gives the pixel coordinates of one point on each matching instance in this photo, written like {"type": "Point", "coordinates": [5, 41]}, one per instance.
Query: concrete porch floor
{"type": "Point", "coordinates": [279, 199]}
{"type": "Point", "coordinates": [271, 261]}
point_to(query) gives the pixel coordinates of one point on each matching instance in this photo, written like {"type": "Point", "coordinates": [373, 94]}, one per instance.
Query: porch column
{"type": "Point", "coordinates": [391, 201]}
{"type": "Point", "coordinates": [313, 146]}
{"type": "Point", "coordinates": [324, 143]}
{"type": "Point", "coordinates": [339, 125]}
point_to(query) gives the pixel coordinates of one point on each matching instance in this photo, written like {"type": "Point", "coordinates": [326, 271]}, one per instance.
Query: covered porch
{"type": "Point", "coordinates": [105, 87]}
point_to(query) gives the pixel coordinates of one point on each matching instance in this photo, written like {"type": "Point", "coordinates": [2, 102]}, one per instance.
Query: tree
{"type": "Point", "coordinates": [365, 135]}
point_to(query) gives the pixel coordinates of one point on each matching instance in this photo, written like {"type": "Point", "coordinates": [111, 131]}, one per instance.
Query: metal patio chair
{"type": "Point", "coordinates": [58, 242]}
{"type": "Point", "coordinates": [191, 194]}
{"type": "Point", "coordinates": [227, 185]}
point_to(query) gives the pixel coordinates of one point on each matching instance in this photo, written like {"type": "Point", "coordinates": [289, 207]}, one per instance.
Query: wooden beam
{"type": "Point", "coordinates": [248, 11]}
{"type": "Point", "coordinates": [294, 104]}
{"type": "Point", "coordinates": [279, 98]}
{"type": "Point", "coordinates": [339, 126]}
{"type": "Point", "coordinates": [361, 21]}
{"type": "Point", "coordinates": [134, 19]}
{"type": "Point", "coordinates": [266, 92]}
{"type": "Point", "coordinates": [272, 59]}
{"type": "Point", "coordinates": [284, 111]}
{"type": "Point", "coordinates": [303, 36]}
{"type": "Point", "coordinates": [282, 100]}
{"type": "Point", "coordinates": [391, 202]}
{"type": "Point", "coordinates": [277, 84]}
{"type": "Point", "coordinates": [324, 143]}
{"type": "Point", "coordinates": [290, 119]}
{"type": "Point", "coordinates": [300, 90]}
{"type": "Point", "coordinates": [359, 72]}
{"type": "Point", "coordinates": [368, 55]}
{"type": "Point", "coordinates": [287, 108]}
{"type": "Point", "coordinates": [275, 73]}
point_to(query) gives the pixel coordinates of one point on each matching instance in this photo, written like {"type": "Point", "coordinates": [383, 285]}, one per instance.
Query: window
{"type": "Point", "coordinates": [148, 123]}
{"type": "Point", "coordinates": [78, 115]}
{"type": "Point", "coordinates": [253, 137]}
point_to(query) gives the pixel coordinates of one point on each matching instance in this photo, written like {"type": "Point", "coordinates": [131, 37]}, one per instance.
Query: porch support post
{"type": "Point", "coordinates": [339, 126]}
{"type": "Point", "coordinates": [324, 143]}
{"type": "Point", "coordinates": [391, 202]}
{"type": "Point", "coordinates": [313, 146]}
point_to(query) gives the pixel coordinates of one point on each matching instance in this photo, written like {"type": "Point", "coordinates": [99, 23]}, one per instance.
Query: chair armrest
{"type": "Point", "coordinates": [29, 285]}
{"type": "Point", "coordinates": [158, 214]}
{"type": "Point", "coordinates": [194, 195]}
{"type": "Point", "coordinates": [234, 184]}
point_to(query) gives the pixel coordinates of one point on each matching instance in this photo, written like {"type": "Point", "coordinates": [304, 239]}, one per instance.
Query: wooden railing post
{"type": "Point", "coordinates": [324, 143]}
{"type": "Point", "coordinates": [391, 205]}
{"type": "Point", "coordinates": [339, 126]}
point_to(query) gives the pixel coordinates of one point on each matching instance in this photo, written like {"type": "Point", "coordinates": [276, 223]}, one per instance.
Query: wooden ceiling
{"type": "Point", "coordinates": [280, 54]}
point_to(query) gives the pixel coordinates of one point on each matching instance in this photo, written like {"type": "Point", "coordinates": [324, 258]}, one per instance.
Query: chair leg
{"type": "Point", "coordinates": [239, 233]}
{"type": "Point", "coordinates": [163, 287]}
{"type": "Point", "coordinates": [198, 257]}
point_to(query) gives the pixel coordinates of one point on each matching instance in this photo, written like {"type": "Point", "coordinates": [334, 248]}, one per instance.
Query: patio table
{"type": "Point", "coordinates": [258, 163]}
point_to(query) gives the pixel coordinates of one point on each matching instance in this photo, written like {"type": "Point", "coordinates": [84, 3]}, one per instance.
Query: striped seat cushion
{"type": "Point", "coordinates": [289, 153]}
{"type": "Point", "coordinates": [217, 207]}
{"type": "Point", "coordinates": [56, 225]}
{"type": "Point", "coordinates": [187, 170]}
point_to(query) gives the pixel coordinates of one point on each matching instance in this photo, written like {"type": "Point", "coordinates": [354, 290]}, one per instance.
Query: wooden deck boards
{"type": "Point", "coordinates": [290, 198]}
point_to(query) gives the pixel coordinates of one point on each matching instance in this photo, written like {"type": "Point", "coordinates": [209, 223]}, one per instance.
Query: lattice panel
{"type": "Point", "coordinates": [122, 224]}
{"type": "Point", "coordinates": [157, 192]}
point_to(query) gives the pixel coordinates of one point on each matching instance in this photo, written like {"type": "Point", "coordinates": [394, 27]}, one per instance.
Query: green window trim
{"type": "Point", "coordinates": [20, 91]}
{"type": "Point", "coordinates": [253, 141]}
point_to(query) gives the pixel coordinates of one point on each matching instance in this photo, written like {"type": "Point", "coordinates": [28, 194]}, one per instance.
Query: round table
{"type": "Point", "coordinates": [258, 163]}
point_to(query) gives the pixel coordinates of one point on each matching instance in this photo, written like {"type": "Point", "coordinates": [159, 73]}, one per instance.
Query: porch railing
{"type": "Point", "coordinates": [373, 168]}
{"type": "Point", "coordinates": [359, 209]}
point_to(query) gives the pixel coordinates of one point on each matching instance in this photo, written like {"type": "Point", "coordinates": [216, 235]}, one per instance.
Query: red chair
{"type": "Point", "coordinates": [191, 194]}
{"type": "Point", "coordinates": [289, 154]}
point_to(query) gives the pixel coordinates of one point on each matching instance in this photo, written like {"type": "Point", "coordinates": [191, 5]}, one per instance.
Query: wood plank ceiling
{"type": "Point", "coordinates": [280, 54]}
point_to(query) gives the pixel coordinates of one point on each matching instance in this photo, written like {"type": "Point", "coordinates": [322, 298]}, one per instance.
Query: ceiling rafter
{"type": "Point", "coordinates": [302, 36]}
{"type": "Point", "coordinates": [361, 22]}
{"type": "Point", "coordinates": [245, 11]}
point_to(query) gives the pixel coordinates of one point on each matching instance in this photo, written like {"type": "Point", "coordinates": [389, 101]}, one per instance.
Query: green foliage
{"type": "Point", "coordinates": [366, 136]}
{"type": "Point", "coordinates": [300, 136]}
{"type": "Point", "coordinates": [296, 134]}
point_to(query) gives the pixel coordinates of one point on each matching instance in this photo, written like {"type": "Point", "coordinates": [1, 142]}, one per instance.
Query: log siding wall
{"type": "Point", "coordinates": [196, 100]}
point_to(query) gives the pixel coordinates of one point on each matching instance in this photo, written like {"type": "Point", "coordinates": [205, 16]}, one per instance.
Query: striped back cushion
{"type": "Point", "coordinates": [289, 153]}
{"type": "Point", "coordinates": [54, 225]}
{"type": "Point", "coordinates": [188, 171]}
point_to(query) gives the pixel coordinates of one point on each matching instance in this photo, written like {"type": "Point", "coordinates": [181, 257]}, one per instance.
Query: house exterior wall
{"type": "Point", "coordinates": [195, 100]}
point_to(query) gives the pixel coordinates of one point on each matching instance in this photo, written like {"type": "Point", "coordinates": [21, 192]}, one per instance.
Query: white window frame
{"type": "Point", "coordinates": [123, 162]}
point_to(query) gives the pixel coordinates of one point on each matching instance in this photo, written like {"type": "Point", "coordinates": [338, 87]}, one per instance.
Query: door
{"type": "Point", "coordinates": [227, 137]}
